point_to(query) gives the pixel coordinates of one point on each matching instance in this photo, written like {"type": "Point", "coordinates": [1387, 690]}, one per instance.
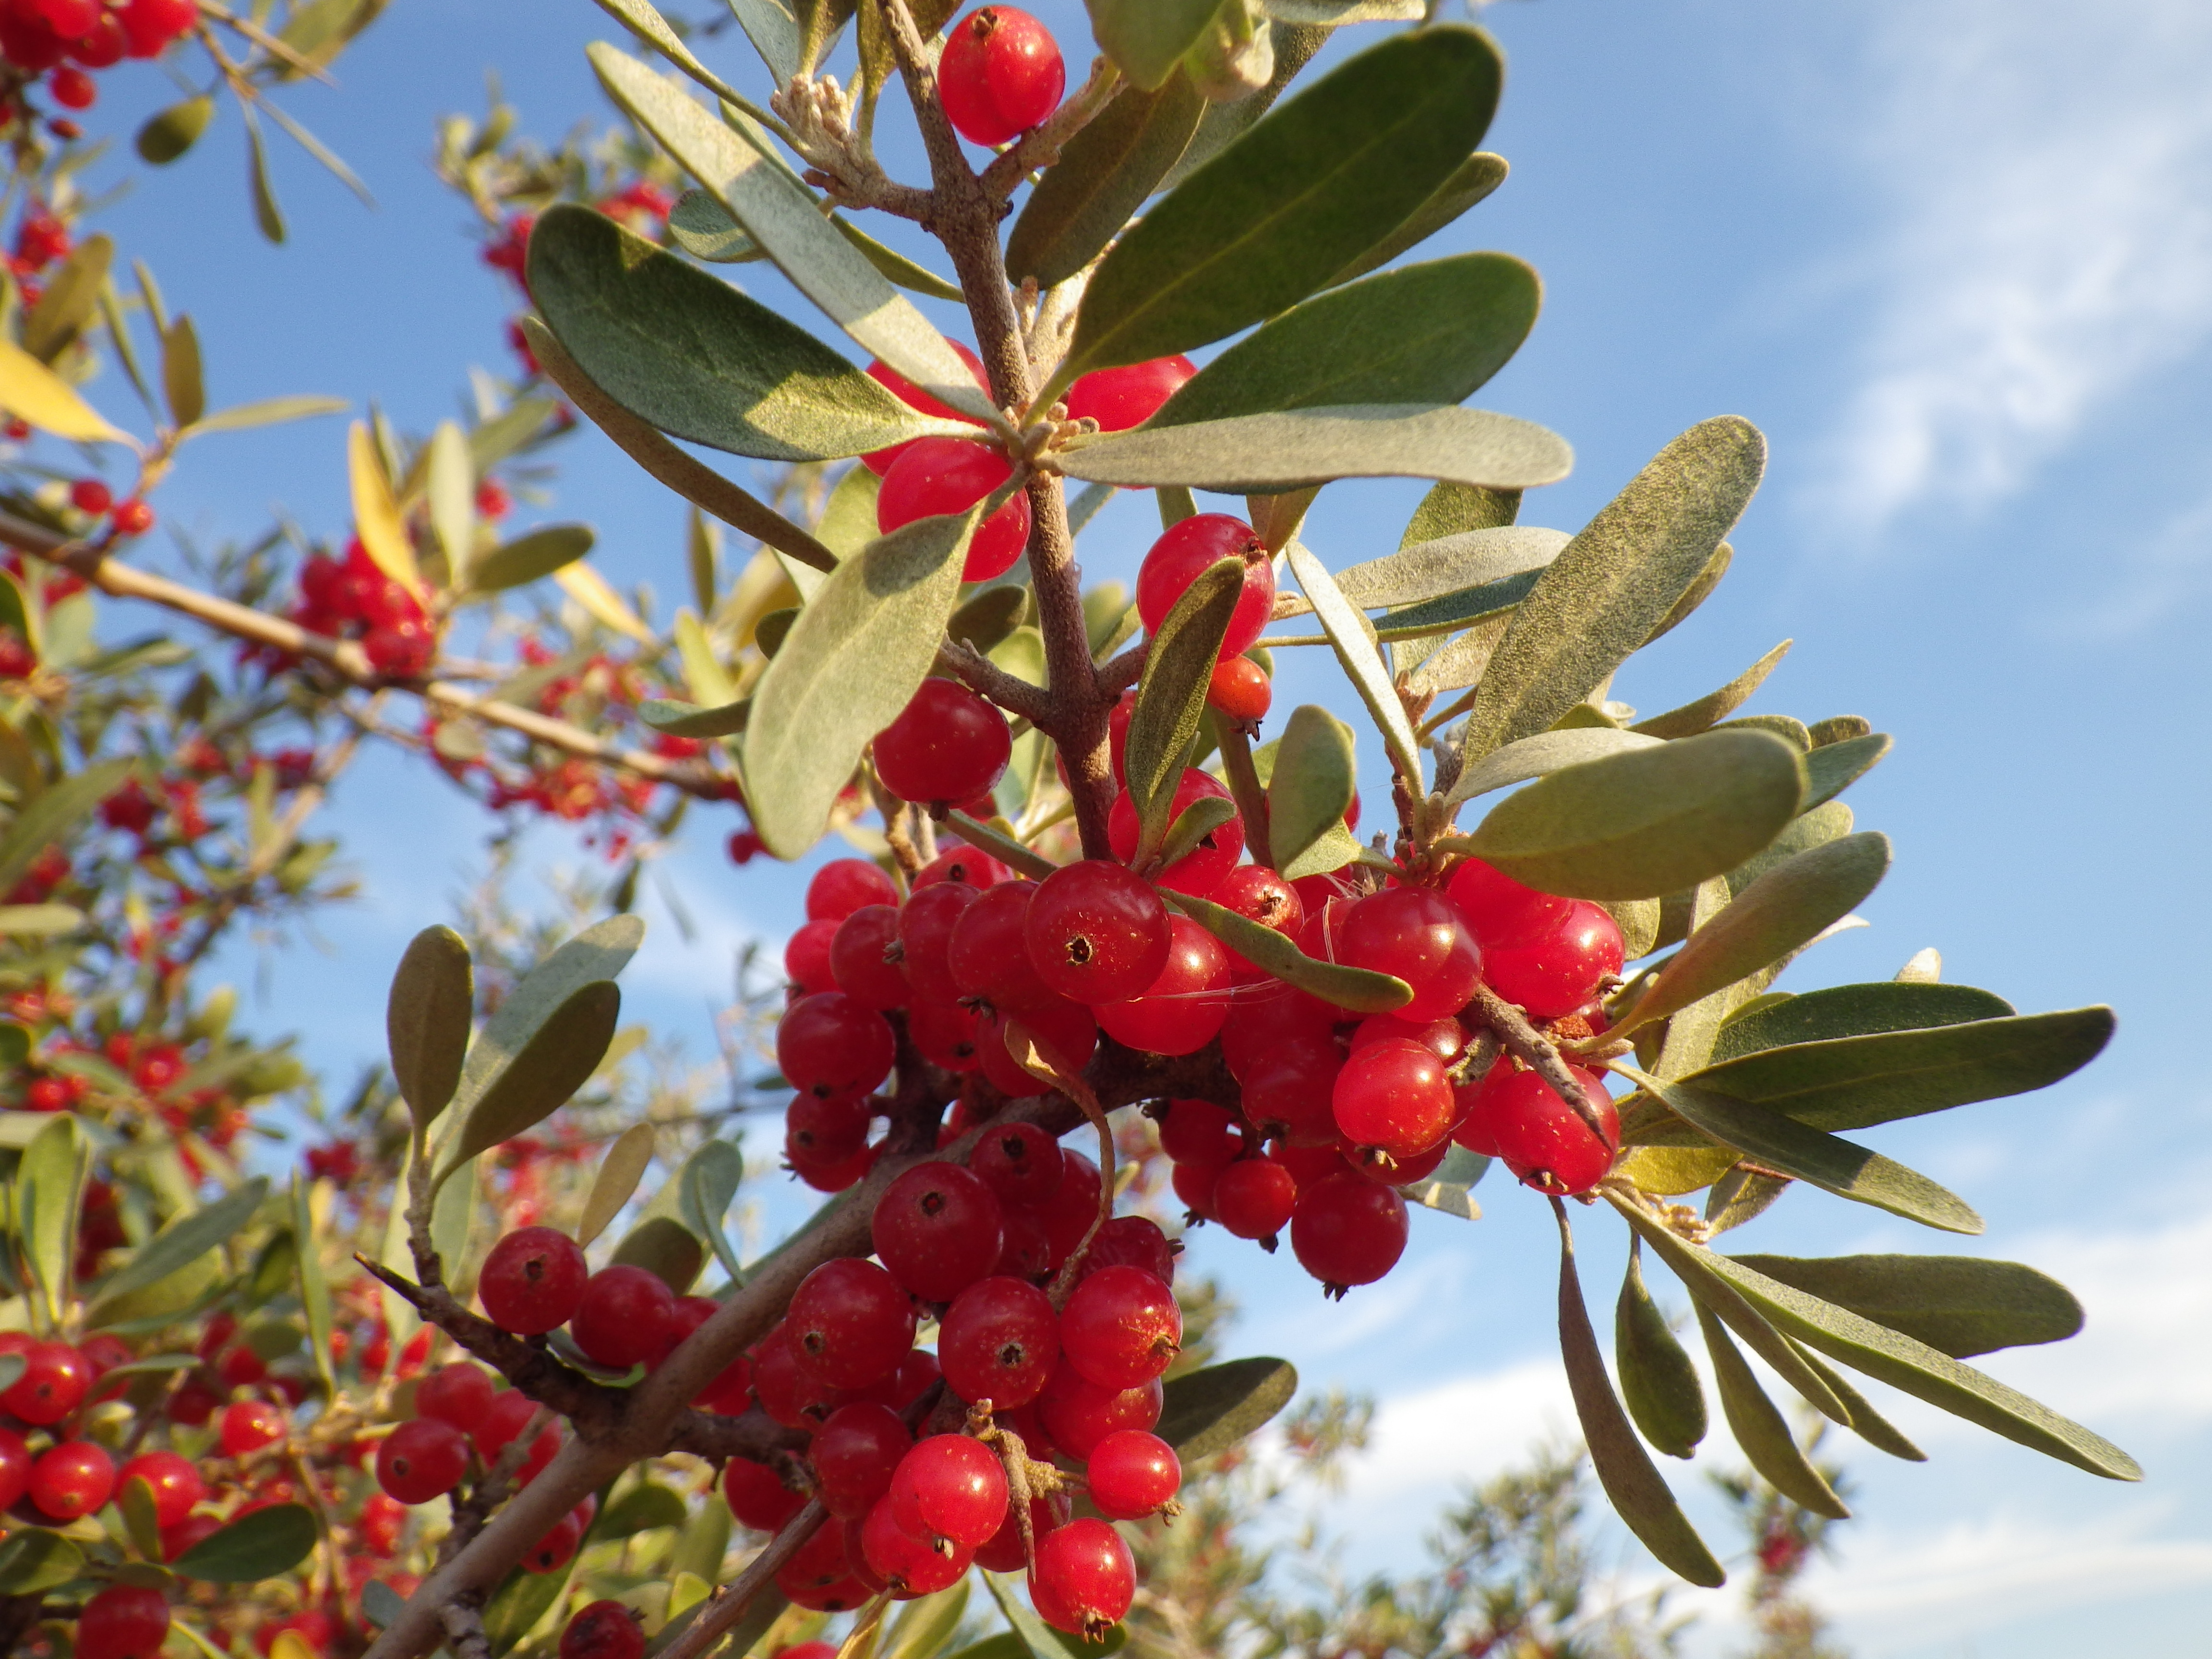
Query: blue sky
{"type": "Point", "coordinates": [1955, 257]}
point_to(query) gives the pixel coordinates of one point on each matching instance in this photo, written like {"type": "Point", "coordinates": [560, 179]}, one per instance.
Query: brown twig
{"type": "Point", "coordinates": [1041, 145]}
{"type": "Point", "coordinates": [1536, 1051]}
{"type": "Point", "coordinates": [720, 1614]}
{"type": "Point", "coordinates": [985, 678]}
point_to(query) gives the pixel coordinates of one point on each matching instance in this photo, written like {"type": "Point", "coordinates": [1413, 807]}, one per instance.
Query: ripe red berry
{"type": "Point", "coordinates": [133, 518]}
{"type": "Point", "coordinates": [1121, 1328]}
{"type": "Point", "coordinates": [1504, 914]}
{"type": "Point", "coordinates": [90, 496]}
{"type": "Point", "coordinates": [844, 885]}
{"type": "Point", "coordinates": [1119, 398]}
{"type": "Point", "coordinates": [604, 1629]}
{"type": "Point", "coordinates": [1253, 1198]}
{"type": "Point", "coordinates": [1067, 1029]}
{"type": "Point", "coordinates": [1183, 1008]}
{"type": "Point", "coordinates": [123, 1621]}
{"type": "Point", "coordinates": [880, 461]}
{"type": "Point", "coordinates": [77, 1477]}
{"type": "Point", "coordinates": [947, 745]}
{"type": "Point", "coordinates": [1018, 1162]}
{"type": "Point", "coordinates": [1393, 1098]}
{"type": "Point", "coordinates": [998, 1342]}
{"type": "Point", "coordinates": [1290, 1091]}
{"type": "Point", "coordinates": [806, 958]}
{"type": "Point", "coordinates": [854, 1453]}
{"type": "Point", "coordinates": [557, 1547]}
{"type": "Point", "coordinates": [910, 1562]}
{"type": "Point", "coordinates": [623, 1316]}
{"type": "Point", "coordinates": [1416, 933]}
{"type": "Point", "coordinates": [822, 1133]}
{"type": "Point", "coordinates": [1541, 1137]}
{"type": "Point", "coordinates": [1185, 552]}
{"type": "Point", "coordinates": [422, 1459]}
{"type": "Point", "coordinates": [174, 1482]}
{"type": "Point", "coordinates": [926, 929]}
{"type": "Point", "coordinates": [833, 1047]}
{"type": "Point", "coordinates": [1203, 869]}
{"type": "Point", "coordinates": [72, 87]}
{"type": "Point", "coordinates": [863, 960]}
{"type": "Point", "coordinates": [1097, 932]}
{"type": "Point", "coordinates": [1198, 1131]}
{"type": "Point", "coordinates": [1000, 74]}
{"type": "Point", "coordinates": [510, 1413]}
{"type": "Point", "coordinates": [963, 863]}
{"type": "Point", "coordinates": [1239, 688]}
{"type": "Point", "coordinates": [1131, 1241]}
{"type": "Point", "coordinates": [937, 1229]}
{"type": "Point", "coordinates": [758, 1496]}
{"type": "Point", "coordinates": [1077, 1413]}
{"type": "Point", "coordinates": [1257, 892]}
{"type": "Point", "coordinates": [1348, 1231]}
{"type": "Point", "coordinates": [950, 1486]}
{"type": "Point", "coordinates": [531, 1280]}
{"type": "Point", "coordinates": [54, 1380]}
{"type": "Point", "coordinates": [1560, 972]}
{"type": "Point", "coordinates": [985, 955]}
{"type": "Point", "coordinates": [460, 1394]}
{"type": "Point", "coordinates": [1132, 1474]}
{"type": "Point", "coordinates": [249, 1425]}
{"type": "Point", "coordinates": [1444, 1038]}
{"type": "Point", "coordinates": [936, 475]}
{"type": "Point", "coordinates": [1085, 1578]}
{"type": "Point", "coordinates": [850, 1323]}
{"type": "Point", "coordinates": [1073, 1205]}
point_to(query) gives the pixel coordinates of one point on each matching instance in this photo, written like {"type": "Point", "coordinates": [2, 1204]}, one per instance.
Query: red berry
{"type": "Point", "coordinates": [844, 885]}
{"type": "Point", "coordinates": [1085, 1577]}
{"type": "Point", "coordinates": [806, 958]}
{"type": "Point", "coordinates": [1073, 1205]}
{"type": "Point", "coordinates": [691, 1312]}
{"type": "Point", "coordinates": [1444, 1038]}
{"type": "Point", "coordinates": [77, 1477]}
{"type": "Point", "coordinates": [133, 518]}
{"type": "Point", "coordinates": [55, 1377]}
{"type": "Point", "coordinates": [422, 1459]}
{"type": "Point", "coordinates": [880, 461]}
{"type": "Point", "coordinates": [1119, 398]}
{"type": "Point", "coordinates": [1131, 1241]}
{"type": "Point", "coordinates": [1253, 1198]}
{"type": "Point", "coordinates": [1190, 547]}
{"type": "Point", "coordinates": [986, 956]}
{"type": "Point", "coordinates": [240, 1367]}
{"type": "Point", "coordinates": [937, 1229]}
{"type": "Point", "coordinates": [1541, 1137]}
{"type": "Point", "coordinates": [1000, 74]}
{"type": "Point", "coordinates": [1504, 914]}
{"type": "Point", "coordinates": [557, 1547]}
{"type": "Point", "coordinates": [1201, 870]}
{"type": "Point", "coordinates": [831, 1046]}
{"type": "Point", "coordinates": [1018, 1162]}
{"type": "Point", "coordinates": [849, 1324]}
{"type": "Point", "coordinates": [604, 1629]}
{"type": "Point", "coordinates": [1121, 1328]}
{"type": "Point", "coordinates": [103, 45]}
{"type": "Point", "coordinates": [173, 1481]}
{"type": "Point", "coordinates": [926, 929]}
{"type": "Point", "coordinates": [1416, 933]}
{"type": "Point", "coordinates": [758, 1496]}
{"type": "Point", "coordinates": [460, 1394]}
{"type": "Point", "coordinates": [249, 1425]}
{"type": "Point", "coordinates": [854, 1453]}
{"type": "Point", "coordinates": [1182, 1009]}
{"type": "Point", "coordinates": [531, 1281]}
{"type": "Point", "coordinates": [1199, 1132]}
{"type": "Point", "coordinates": [950, 1486]}
{"type": "Point", "coordinates": [1348, 1231]}
{"type": "Point", "coordinates": [1077, 1413]}
{"type": "Point", "coordinates": [1290, 1091]}
{"type": "Point", "coordinates": [822, 1133]}
{"type": "Point", "coordinates": [1097, 932]}
{"type": "Point", "coordinates": [963, 863]}
{"type": "Point", "coordinates": [72, 87]}
{"type": "Point", "coordinates": [862, 959]}
{"type": "Point", "coordinates": [1132, 1474]}
{"type": "Point", "coordinates": [998, 1342]}
{"type": "Point", "coordinates": [911, 1564]}
{"type": "Point", "coordinates": [510, 1413]}
{"type": "Point", "coordinates": [123, 1621]}
{"type": "Point", "coordinates": [1239, 688]}
{"type": "Point", "coordinates": [90, 496]}
{"type": "Point", "coordinates": [1065, 1028]}
{"type": "Point", "coordinates": [1393, 1098]}
{"type": "Point", "coordinates": [936, 475]}
{"type": "Point", "coordinates": [623, 1316]}
{"type": "Point", "coordinates": [947, 745]}
{"type": "Point", "coordinates": [1561, 972]}
{"type": "Point", "coordinates": [1256, 891]}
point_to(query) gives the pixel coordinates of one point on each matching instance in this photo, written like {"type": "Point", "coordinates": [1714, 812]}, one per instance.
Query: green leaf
{"type": "Point", "coordinates": [170, 132]}
{"type": "Point", "coordinates": [1428, 334]}
{"type": "Point", "coordinates": [1693, 718]}
{"type": "Point", "coordinates": [1646, 822]}
{"type": "Point", "coordinates": [1623, 1468]}
{"type": "Point", "coordinates": [644, 1508]}
{"type": "Point", "coordinates": [1038, 1640]}
{"type": "Point", "coordinates": [71, 296]}
{"type": "Point", "coordinates": [1615, 582]}
{"type": "Point", "coordinates": [703, 228]}
{"type": "Point", "coordinates": [426, 1021]}
{"type": "Point", "coordinates": [1291, 203]}
{"type": "Point", "coordinates": [1103, 176]}
{"type": "Point", "coordinates": [1761, 1430]}
{"type": "Point", "coordinates": [688, 720]}
{"type": "Point", "coordinates": [1352, 637]}
{"type": "Point", "coordinates": [1657, 1379]}
{"type": "Point", "coordinates": [315, 1288]}
{"type": "Point", "coordinates": [1778, 914]}
{"type": "Point", "coordinates": [519, 1603]}
{"type": "Point", "coordinates": [1355, 989]}
{"type": "Point", "coordinates": [1830, 822]}
{"type": "Point", "coordinates": [986, 619]}
{"type": "Point", "coordinates": [665, 1247]}
{"type": "Point", "coordinates": [1451, 1189]}
{"type": "Point", "coordinates": [1958, 1305]}
{"type": "Point", "coordinates": [1259, 454]}
{"type": "Point", "coordinates": [704, 1187]}
{"type": "Point", "coordinates": [1192, 826]}
{"type": "Point", "coordinates": [1545, 752]}
{"type": "Point", "coordinates": [1834, 1165]}
{"type": "Point", "coordinates": [259, 1545]}
{"type": "Point", "coordinates": [268, 212]}
{"type": "Point", "coordinates": [924, 1628]}
{"type": "Point", "coordinates": [58, 810]}
{"type": "Point", "coordinates": [1315, 777]}
{"type": "Point", "coordinates": [134, 1502]}
{"type": "Point", "coordinates": [599, 952]}
{"type": "Point", "coordinates": [621, 1167]}
{"type": "Point", "coordinates": [558, 1060]}
{"type": "Point", "coordinates": [33, 1559]}
{"type": "Point", "coordinates": [268, 412]}
{"type": "Point", "coordinates": [1475, 179]}
{"type": "Point", "coordinates": [1148, 38]}
{"type": "Point", "coordinates": [449, 490]}
{"type": "Point", "coordinates": [1206, 1412]}
{"type": "Point", "coordinates": [785, 218]}
{"type": "Point", "coordinates": [49, 1193]}
{"type": "Point", "coordinates": [186, 1239]}
{"type": "Point", "coordinates": [851, 663]}
{"type": "Point", "coordinates": [1005, 849]}
{"type": "Point", "coordinates": [699, 360]}
{"type": "Point", "coordinates": [1866, 1422]}
{"type": "Point", "coordinates": [1846, 1011]}
{"type": "Point", "coordinates": [1442, 566]}
{"type": "Point", "coordinates": [1833, 768]}
{"type": "Point", "coordinates": [1171, 696]}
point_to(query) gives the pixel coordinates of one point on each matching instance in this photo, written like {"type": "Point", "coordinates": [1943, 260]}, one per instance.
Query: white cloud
{"type": "Point", "coordinates": [2041, 166]}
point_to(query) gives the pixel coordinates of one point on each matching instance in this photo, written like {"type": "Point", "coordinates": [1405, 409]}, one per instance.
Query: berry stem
{"type": "Point", "coordinates": [1537, 1052]}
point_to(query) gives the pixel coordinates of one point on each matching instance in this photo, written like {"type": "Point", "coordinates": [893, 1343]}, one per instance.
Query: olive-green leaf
{"type": "Point", "coordinates": [1831, 768]}
{"type": "Point", "coordinates": [258, 1545]}
{"type": "Point", "coordinates": [702, 227]}
{"type": "Point", "coordinates": [1959, 1305]}
{"type": "Point", "coordinates": [71, 296]}
{"type": "Point", "coordinates": [1352, 637]}
{"type": "Point", "coordinates": [1192, 826]}
{"type": "Point", "coordinates": [1834, 1165]}
{"type": "Point", "coordinates": [621, 1167]}
{"type": "Point", "coordinates": [1356, 988]}
{"type": "Point", "coordinates": [558, 1060]}
{"type": "Point", "coordinates": [1761, 1430]}
{"type": "Point", "coordinates": [1830, 821]}
{"type": "Point", "coordinates": [1870, 1424]}
{"type": "Point", "coordinates": [1259, 454]}
{"type": "Point", "coordinates": [599, 952]}
{"type": "Point", "coordinates": [1293, 202]}
{"type": "Point", "coordinates": [1315, 776]}
{"type": "Point", "coordinates": [38, 921]}
{"type": "Point", "coordinates": [1146, 38]}
{"type": "Point", "coordinates": [925, 1626]}
{"type": "Point", "coordinates": [33, 1559]}
{"type": "Point", "coordinates": [134, 1501]}
{"type": "Point", "coordinates": [1672, 1170]}
{"type": "Point", "coordinates": [1847, 1010]}
{"type": "Point", "coordinates": [643, 1507]}
{"type": "Point", "coordinates": [1430, 333]}
{"type": "Point", "coordinates": [57, 809]}
{"type": "Point", "coordinates": [665, 1247]}
{"type": "Point", "coordinates": [1777, 915]}
{"type": "Point", "coordinates": [268, 412]}
{"type": "Point", "coordinates": [851, 663]}
{"type": "Point", "coordinates": [1034, 1638]}
{"type": "Point", "coordinates": [169, 133]}
{"type": "Point", "coordinates": [1208, 1411]}
{"type": "Point", "coordinates": [1851, 1083]}
{"type": "Point", "coordinates": [315, 1286]}
{"type": "Point", "coordinates": [1623, 1468]}
{"type": "Point", "coordinates": [1646, 822]}
{"type": "Point", "coordinates": [186, 1239]}
{"type": "Point", "coordinates": [1171, 696]}
{"type": "Point", "coordinates": [1657, 1380]}
{"type": "Point", "coordinates": [696, 358]}
{"type": "Point", "coordinates": [785, 218]}
{"type": "Point", "coordinates": [688, 720]}
{"type": "Point", "coordinates": [181, 380]}
{"type": "Point", "coordinates": [1441, 566]}
{"type": "Point", "coordinates": [1741, 1194]}
{"type": "Point", "coordinates": [426, 1021]}
{"type": "Point", "coordinates": [534, 554]}
{"type": "Point", "coordinates": [49, 1194]}
{"type": "Point", "coordinates": [1604, 595]}
{"type": "Point", "coordinates": [989, 616]}
{"type": "Point", "coordinates": [1545, 753]}
{"type": "Point", "coordinates": [704, 1187]}
{"type": "Point", "coordinates": [1700, 715]}
{"type": "Point", "coordinates": [1103, 176]}
{"type": "Point", "coordinates": [1475, 178]}
{"type": "Point", "coordinates": [1450, 1189]}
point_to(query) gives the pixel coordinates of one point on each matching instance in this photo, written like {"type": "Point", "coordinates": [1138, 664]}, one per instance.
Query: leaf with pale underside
{"type": "Point", "coordinates": [1834, 767]}
{"type": "Point", "coordinates": [1959, 1305]}
{"type": "Point", "coordinates": [1103, 176]}
{"type": "Point", "coordinates": [426, 1021]}
{"type": "Point", "coordinates": [1447, 564]}
{"type": "Point", "coordinates": [1148, 38]}
{"type": "Point", "coordinates": [1311, 788]}
{"type": "Point", "coordinates": [1171, 696]}
{"type": "Point", "coordinates": [1537, 757]}
{"type": "Point", "coordinates": [186, 1239]}
{"type": "Point", "coordinates": [1658, 1382]}
{"type": "Point", "coordinates": [1212, 1409]}
{"type": "Point", "coordinates": [1847, 1010]}
{"type": "Point", "coordinates": [1870, 1424]}
{"type": "Point", "coordinates": [1702, 715]}
{"type": "Point", "coordinates": [1761, 1431]}
{"type": "Point", "coordinates": [1449, 1188]}
{"type": "Point", "coordinates": [1356, 988]}
{"type": "Point", "coordinates": [558, 1060]}
{"type": "Point", "coordinates": [536, 553]}
{"type": "Point", "coordinates": [376, 517]}
{"type": "Point", "coordinates": [688, 719]}
{"type": "Point", "coordinates": [1352, 637]}
{"type": "Point", "coordinates": [621, 1167]}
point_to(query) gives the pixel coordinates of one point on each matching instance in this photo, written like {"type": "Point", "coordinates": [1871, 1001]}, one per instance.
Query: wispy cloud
{"type": "Point", "coordinates": [2043, 236]}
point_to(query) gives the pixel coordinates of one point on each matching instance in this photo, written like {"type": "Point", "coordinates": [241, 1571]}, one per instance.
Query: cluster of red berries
{"type": "Point", "coordinates": [131, 517]}
{"type": "Point", "coordinates": [352, 597]}
{"type": "Point", "coordinates": [62, 39]}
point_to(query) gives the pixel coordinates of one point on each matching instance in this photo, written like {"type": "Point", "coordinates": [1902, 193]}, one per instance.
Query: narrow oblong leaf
{"type": "Point", "coordinates": [1146, 38]}
{"type": "Point", "coordinates": [1958, 1305]}
{"type": "Point", "coordinates": [54, 812]}
{"type": "Point", "coordinates": [1171, 696]}
{"type": "Point", "coordinates": [186, 1239]}
{"type": "Point", "coordinates": [1475, 179]}
{"type": "Point", "coordinates": [260, 1543]}
{"type": "Point", "coordinates": [1430, 333]}
{"type": "Point", "coordinates": [1005, 849]}
{"type": "Point", "coordinates": [1356, 988]}
{"type": "Point", "coordinates": [1646, 822]}
{"type": "Point", "coordinates": [268, 411]}
{"type": "Point", "coordinates": [49, 1194]}
{"type": "Point", "coordinates": [35, 394]}
{"type": "Point", "coordinates": [1833, 768]}
{"type": "Point", "coordinates": [1624, 1470]}
{"type": "Point", "coordinates": [449, 488]}
{"type": "Point", "coordinates": [621, 1167]}
{"type": "Point", "coordinates": [1103, 176]}
{"type": "Point", "coordinates": [925, 1626]}
{"type": "Point", "coordinates": [1870, 1424]}
{"type": "Point", "coordinates": [376, 517]}
{"type": "Point", "coordinates": [1293, 201]}
{"type": "Point", "coordinates": [1208, 1411]}
{"type": "Point", "coordinates": [688, 720]}
{"type": "Point", "coordinates": [1315, 777]}
{"type": "Point", "coordinates": [35, 1559]}
{"type": "Point", "coordinates": [314, 1287]}
{"type": "Point", "coordinates": [1193, 825]}
{"type": "Point", "coordinates": [1657, 1380]}
{"type": "Point", "coordinates": [558, 1060]}
{"type": "Point", "coordinates": [1433, 567]}
{"type": "Point", "coordinates": [1603, 596]}
{"type": "Point", "coordinates": [1831, 821]}
{"type": "Point", "coordinates": [71, 296]}
{"type": "Point", "coordinates": [181, 380]}
{"type": "Point", "coordinates": [1777, 915]}
{"type": "Point", "coordinates": [536, 553]}
{"type": "Point", "coordinates": [170, 132]}
{"type": "Point", "coordinates": [1352, 637]}
{"type": "Point", "coordinates": [1847, 1010]}
{"type": "Point", "coordinates": [704, 1187]}
{"type": "Point", "coordinates": [599, 952]}
{"type": "Point", "coordinates": [426, 1021]}
{"type": "Point", "coordinates": [1545, 753]}
{"type": "Point", "coordinates": [1700, 715]}
{"type": "Point", "coordinates": [1761, 1431]}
